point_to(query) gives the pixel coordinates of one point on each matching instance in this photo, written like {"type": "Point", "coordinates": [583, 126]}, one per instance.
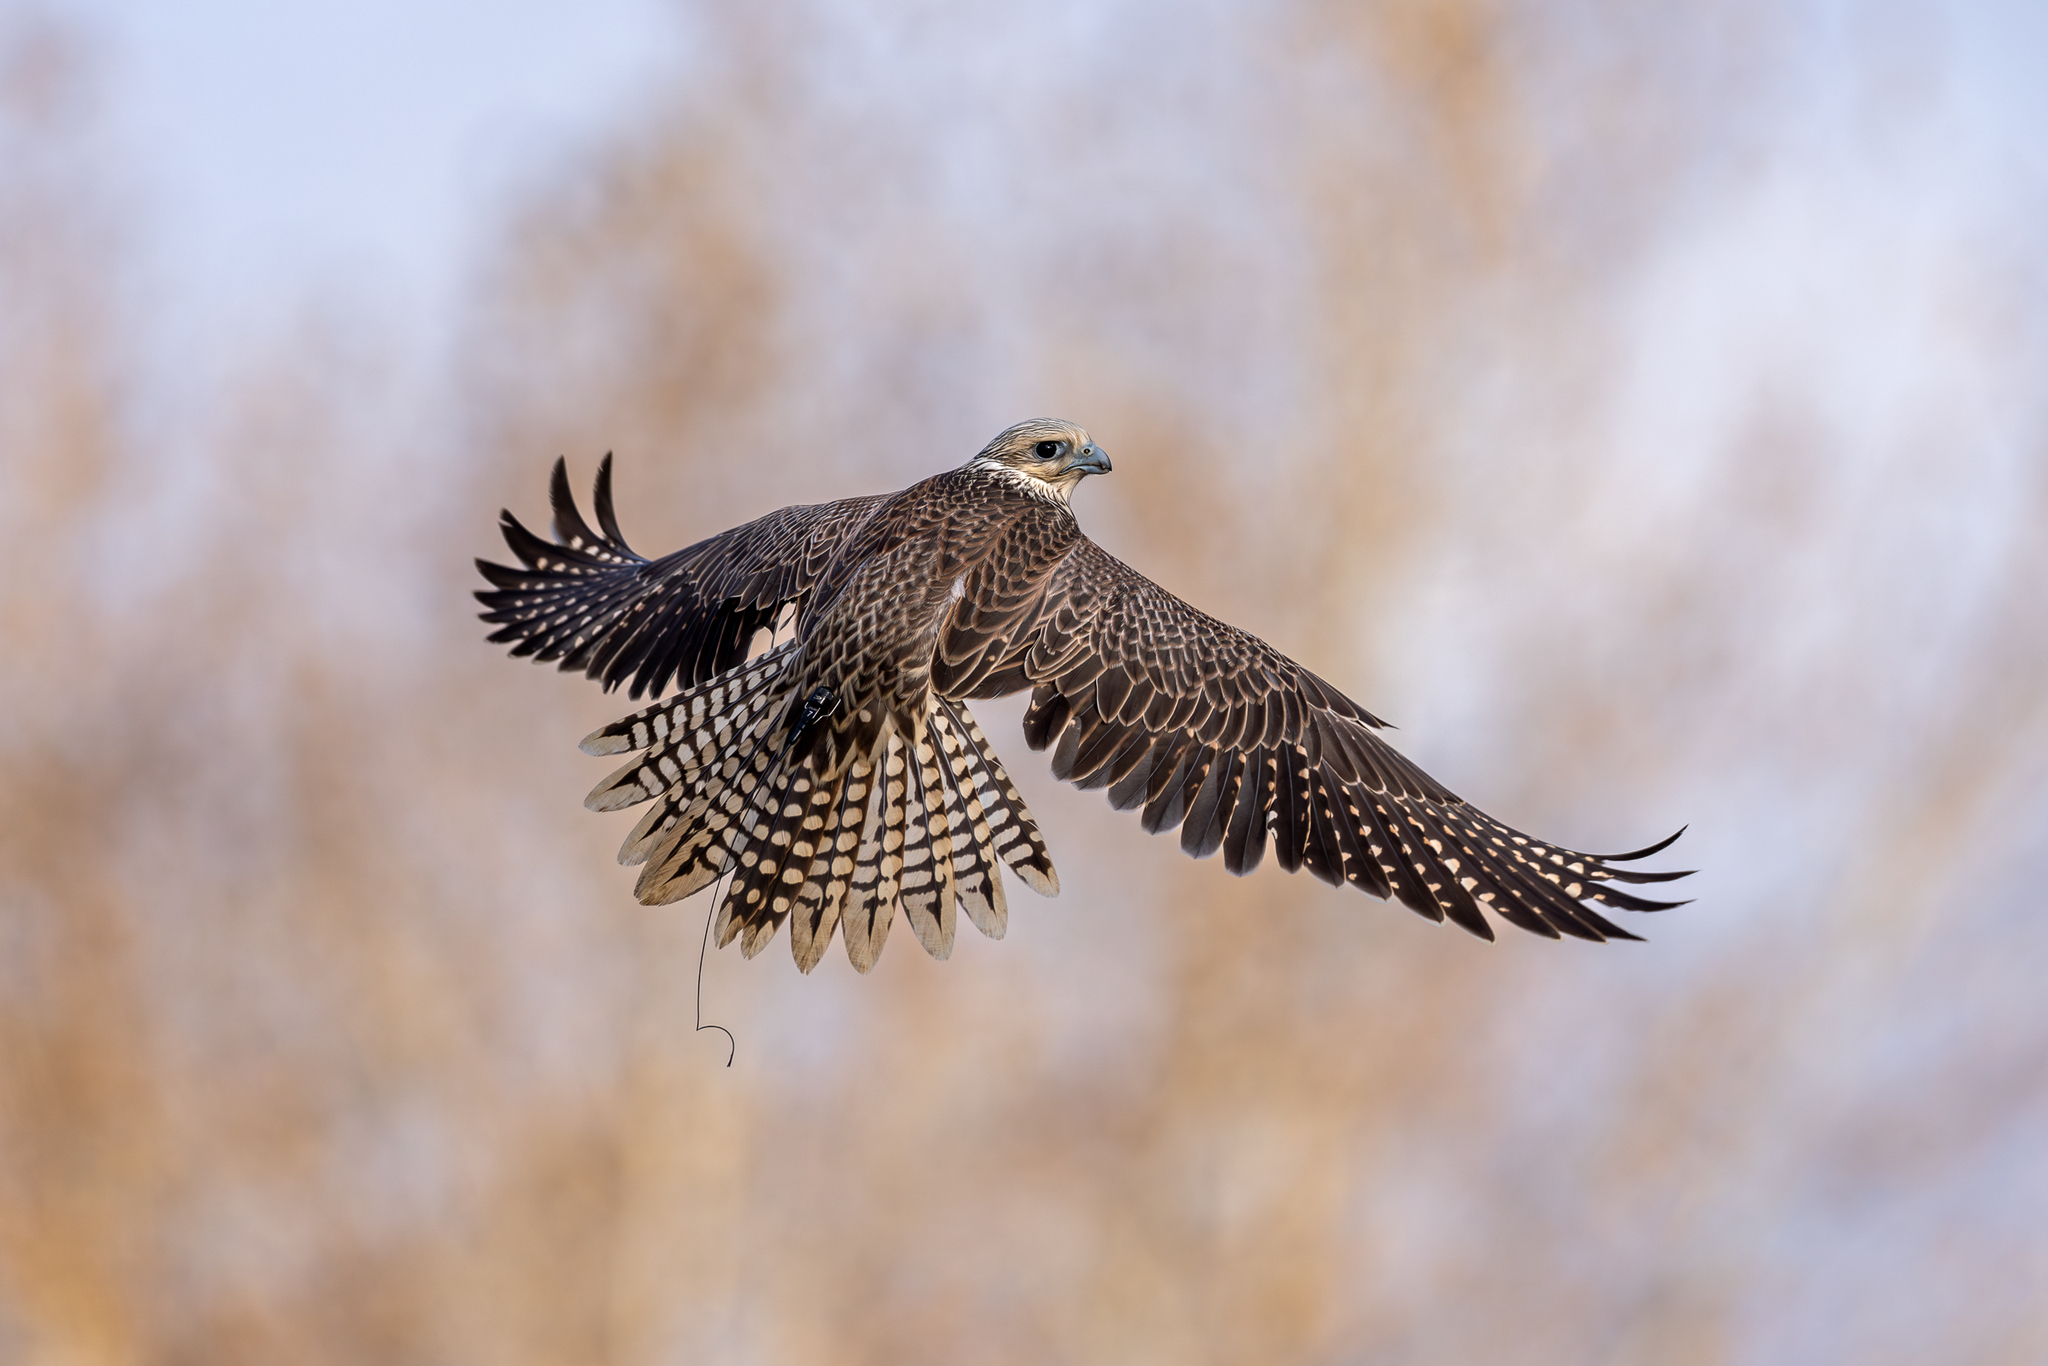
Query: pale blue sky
{"type": "Point", "coordinates": [274, 149]}
{"type": "Point", "coordinates": [357, 151]}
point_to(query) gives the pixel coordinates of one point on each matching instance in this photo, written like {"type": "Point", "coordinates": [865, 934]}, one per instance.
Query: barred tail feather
{"type": "Point", "coordinates": [775, 855]}
{"type": "Point", "coordinates": [927, 878]}
{"type": "Point", "coordinates": [679, 716]}
{"type": "Point", "coordinates": [1013, 831]}
{"type": "Point", "coordinates": [857, 910]}
{"type": "Point", "coordinates": [702, 844]}
{"type": "Point", "coordinates": [688, 747]}
{"type": "Point", "coordinates": [818, 903]}
{"type": "Point", "coordinates": [871, 899]}
{"type": "Point", "coordinates": [976, 880]}
{"type": "Point", "coordinates": [691, 853]}
{"type": "Point", "coordinates": [704, 752]}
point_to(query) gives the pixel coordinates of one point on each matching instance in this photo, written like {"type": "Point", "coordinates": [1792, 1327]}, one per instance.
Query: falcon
{"type": "Point", "coordinates": [838, 778]}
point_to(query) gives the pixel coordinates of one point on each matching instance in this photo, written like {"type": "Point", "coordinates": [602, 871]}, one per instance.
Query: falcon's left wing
{"type": "Point", "coordinates": [588, 600]}
{"type": "Point", "coordinates": [1207, 727]}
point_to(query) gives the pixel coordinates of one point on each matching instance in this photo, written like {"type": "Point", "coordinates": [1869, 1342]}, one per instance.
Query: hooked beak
{"type": "Point", "coordinates": [1090, 459]}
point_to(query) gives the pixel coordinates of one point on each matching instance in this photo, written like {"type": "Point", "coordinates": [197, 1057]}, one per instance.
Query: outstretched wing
{"type": "Point", "coordinates": [1208, 728]}
{"type": "Point", "coordinates": [588, 600]}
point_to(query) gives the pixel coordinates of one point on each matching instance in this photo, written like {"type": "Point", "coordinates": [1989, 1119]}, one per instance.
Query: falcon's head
{"type": "Point", "coordinates": [1047, 453]}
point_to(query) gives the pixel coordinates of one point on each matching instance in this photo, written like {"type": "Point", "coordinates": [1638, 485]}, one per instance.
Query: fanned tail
{"type": "Point", "coordinates": [941, 819]}
{"type": "Point", "coordinates": [739, 786]}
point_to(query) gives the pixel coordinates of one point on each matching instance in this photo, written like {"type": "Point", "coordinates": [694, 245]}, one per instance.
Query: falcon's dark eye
{"type": "Point", "coordinates": [1048, 449]}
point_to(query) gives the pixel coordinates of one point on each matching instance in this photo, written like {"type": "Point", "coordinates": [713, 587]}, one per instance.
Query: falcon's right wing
{"type": "Point", "coordinates": [588, 600]}
{"type": "Point", "coordinates": [1209, 728]}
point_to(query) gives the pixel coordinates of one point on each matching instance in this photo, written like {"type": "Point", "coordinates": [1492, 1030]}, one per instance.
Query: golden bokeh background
{"type": "Point", "coordinates": [1644, 407]}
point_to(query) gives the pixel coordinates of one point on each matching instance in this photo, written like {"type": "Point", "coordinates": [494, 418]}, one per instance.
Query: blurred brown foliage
{"type": "Point", "coordinates": [328, 1032]}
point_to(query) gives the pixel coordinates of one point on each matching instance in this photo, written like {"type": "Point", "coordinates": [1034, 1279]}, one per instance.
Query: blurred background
{"type": "Point", "coordinates": [1643, 407]}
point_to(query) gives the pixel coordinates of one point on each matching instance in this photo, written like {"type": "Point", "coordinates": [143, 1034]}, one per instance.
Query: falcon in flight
{"type": "Point", "coordinates": [839, 777]}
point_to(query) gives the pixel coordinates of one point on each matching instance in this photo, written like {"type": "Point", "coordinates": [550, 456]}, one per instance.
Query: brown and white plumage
{"type": "Point", "coordinates": [839, 778]}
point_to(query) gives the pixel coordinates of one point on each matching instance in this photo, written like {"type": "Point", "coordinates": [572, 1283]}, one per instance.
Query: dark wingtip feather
{"type": "Point", "coordinates": [601, 498]}
{"type": "Point", "coordinates": [570, 528]}
{"type": "Point", "coordinates": [558, 490]}
{"type": "Point", "coordinates": [495, 574]}
{"type": "Point", "coordinates": [1524, 918]}
{"type": "Point", "coordinates": [532, 550]}
{"type": "Point", "coordinates": [1630, 875]}
{"type": "Point", "coordinates": [1659, 847]}
{"type": "Point", "coordinates": [1607, 896]}
{"type": "Point", "coordinates": [1606, 927]}
{"type": "Point", "coordinates": [1472, 923]}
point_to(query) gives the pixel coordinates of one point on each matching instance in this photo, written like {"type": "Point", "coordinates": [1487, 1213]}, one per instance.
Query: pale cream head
{"type": "Point", "coordinates": [1051, 455]}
